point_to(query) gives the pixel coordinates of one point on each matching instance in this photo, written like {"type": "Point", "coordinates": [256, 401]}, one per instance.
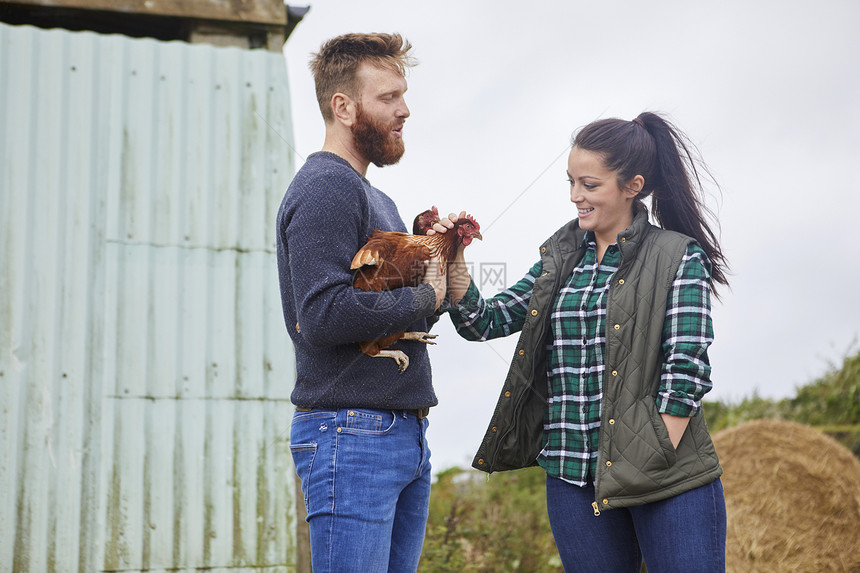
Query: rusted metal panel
{"type": "Point", "coordinates": [252, 11]}
{"type": "Point", "coordinates": [145, 370]}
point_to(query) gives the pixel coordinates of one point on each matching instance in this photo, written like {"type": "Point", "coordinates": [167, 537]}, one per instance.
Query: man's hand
{"type": "Point", "coordinates": [434, 277]}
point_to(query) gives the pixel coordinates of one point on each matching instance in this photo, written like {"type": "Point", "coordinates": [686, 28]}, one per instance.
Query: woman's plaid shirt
{"type": "Point", "coordinates": [575, 353]}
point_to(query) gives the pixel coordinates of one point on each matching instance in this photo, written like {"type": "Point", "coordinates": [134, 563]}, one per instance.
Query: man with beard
{"type": "Point", "coordinates": [358, 434]}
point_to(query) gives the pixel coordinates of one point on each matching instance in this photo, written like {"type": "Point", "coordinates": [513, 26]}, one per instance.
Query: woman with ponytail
{"type": "Point", "coordinates": [605, 388]}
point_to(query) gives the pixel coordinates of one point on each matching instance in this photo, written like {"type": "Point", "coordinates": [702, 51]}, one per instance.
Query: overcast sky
{"type": "Point", "coordinates": [769, 91]}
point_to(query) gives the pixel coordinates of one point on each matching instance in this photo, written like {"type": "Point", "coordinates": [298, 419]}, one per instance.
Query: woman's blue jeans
{"type": "Point", "coordinates": [685, 533]}
{"type": "Point", "coordinates": [366, 481]}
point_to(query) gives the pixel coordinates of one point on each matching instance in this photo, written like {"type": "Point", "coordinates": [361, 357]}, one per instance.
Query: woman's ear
{"type": "Point", "coordinates": [635, 186]}
{"type": "Point", "coordinates": [343, 108]}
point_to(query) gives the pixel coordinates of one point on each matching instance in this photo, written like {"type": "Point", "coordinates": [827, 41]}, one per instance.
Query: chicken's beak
{"type": "Point", "coordinates": [478, 236]}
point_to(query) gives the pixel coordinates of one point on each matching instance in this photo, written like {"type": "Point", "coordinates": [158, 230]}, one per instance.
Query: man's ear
{"type": "Point", "coordinates": [343, 108]}
{"type": "Point", "coordinates": [635, 185]}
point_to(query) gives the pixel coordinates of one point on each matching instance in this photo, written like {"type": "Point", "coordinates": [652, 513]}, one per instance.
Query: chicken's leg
{"type": "Point", "coordinates": [424, 337]}
{"type": "Point", "coordinates": [398, 356]}
{"type": "Point", "coordinates": [373, 348]}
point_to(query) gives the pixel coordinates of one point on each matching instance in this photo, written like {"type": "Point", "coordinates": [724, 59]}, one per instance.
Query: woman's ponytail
{"type": "Point", "coordinates": [678, 199]}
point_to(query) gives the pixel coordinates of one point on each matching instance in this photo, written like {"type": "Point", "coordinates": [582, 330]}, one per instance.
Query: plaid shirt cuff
{"type": "Point", "coordinates": [677, 404]}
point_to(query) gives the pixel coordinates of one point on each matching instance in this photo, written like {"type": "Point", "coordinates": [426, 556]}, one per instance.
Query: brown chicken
{"type": "Point", "coordinates": [392, 260]}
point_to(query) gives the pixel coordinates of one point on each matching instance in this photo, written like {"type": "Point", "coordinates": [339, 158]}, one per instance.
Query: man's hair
{"type": "Point", "coordinates": [336, 65]}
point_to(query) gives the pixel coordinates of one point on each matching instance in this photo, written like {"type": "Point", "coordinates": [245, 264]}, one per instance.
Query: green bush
{"type": "Point", "coordinates": [495, 523]}
{"type": "Point", "coordinates": [721, 415]}
{"type": "Point", "coordinates": [833, 400]}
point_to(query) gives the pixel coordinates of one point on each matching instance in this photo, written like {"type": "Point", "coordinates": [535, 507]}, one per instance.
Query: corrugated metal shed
{"type": "Point", "coordinates": [144, 365]}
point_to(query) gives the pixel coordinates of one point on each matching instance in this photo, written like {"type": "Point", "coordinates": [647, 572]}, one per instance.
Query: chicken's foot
{"type": "Point", "coordinates": [424, 337]}
{"type": "Point", "coordinates": [398, 355]}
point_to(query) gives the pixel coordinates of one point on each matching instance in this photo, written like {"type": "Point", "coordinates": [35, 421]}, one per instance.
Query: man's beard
{"type": "Point", "coordinates": [373, 138]}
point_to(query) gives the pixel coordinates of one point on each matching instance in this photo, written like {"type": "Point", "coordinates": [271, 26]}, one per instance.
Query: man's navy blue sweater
{"type": "Point", "coordinates": [328, 213]}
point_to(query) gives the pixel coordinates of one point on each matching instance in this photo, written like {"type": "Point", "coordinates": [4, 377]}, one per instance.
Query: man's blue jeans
{"type": "Point", "coordinates": [685, 533]}
{"type": "Point", "coordinates": [366, 481]}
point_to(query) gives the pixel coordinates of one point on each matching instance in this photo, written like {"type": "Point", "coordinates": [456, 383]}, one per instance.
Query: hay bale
{"type": "Point", "coordinates": [792, 499]}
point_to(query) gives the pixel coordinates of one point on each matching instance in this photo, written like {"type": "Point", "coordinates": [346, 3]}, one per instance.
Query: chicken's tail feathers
{"type": "Point", "coordinates": [364, 257]}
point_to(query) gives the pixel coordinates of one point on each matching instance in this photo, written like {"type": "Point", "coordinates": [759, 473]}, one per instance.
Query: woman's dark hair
{"type": "Point", "coordinates": [652, 147]}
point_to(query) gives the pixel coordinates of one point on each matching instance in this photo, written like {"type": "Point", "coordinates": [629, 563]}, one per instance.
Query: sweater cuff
{"type": "Point", "coordinates": [425, 299]}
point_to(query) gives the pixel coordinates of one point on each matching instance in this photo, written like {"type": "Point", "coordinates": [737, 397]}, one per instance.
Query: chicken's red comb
{"type": "Point", "coordinates": [473, 221]}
